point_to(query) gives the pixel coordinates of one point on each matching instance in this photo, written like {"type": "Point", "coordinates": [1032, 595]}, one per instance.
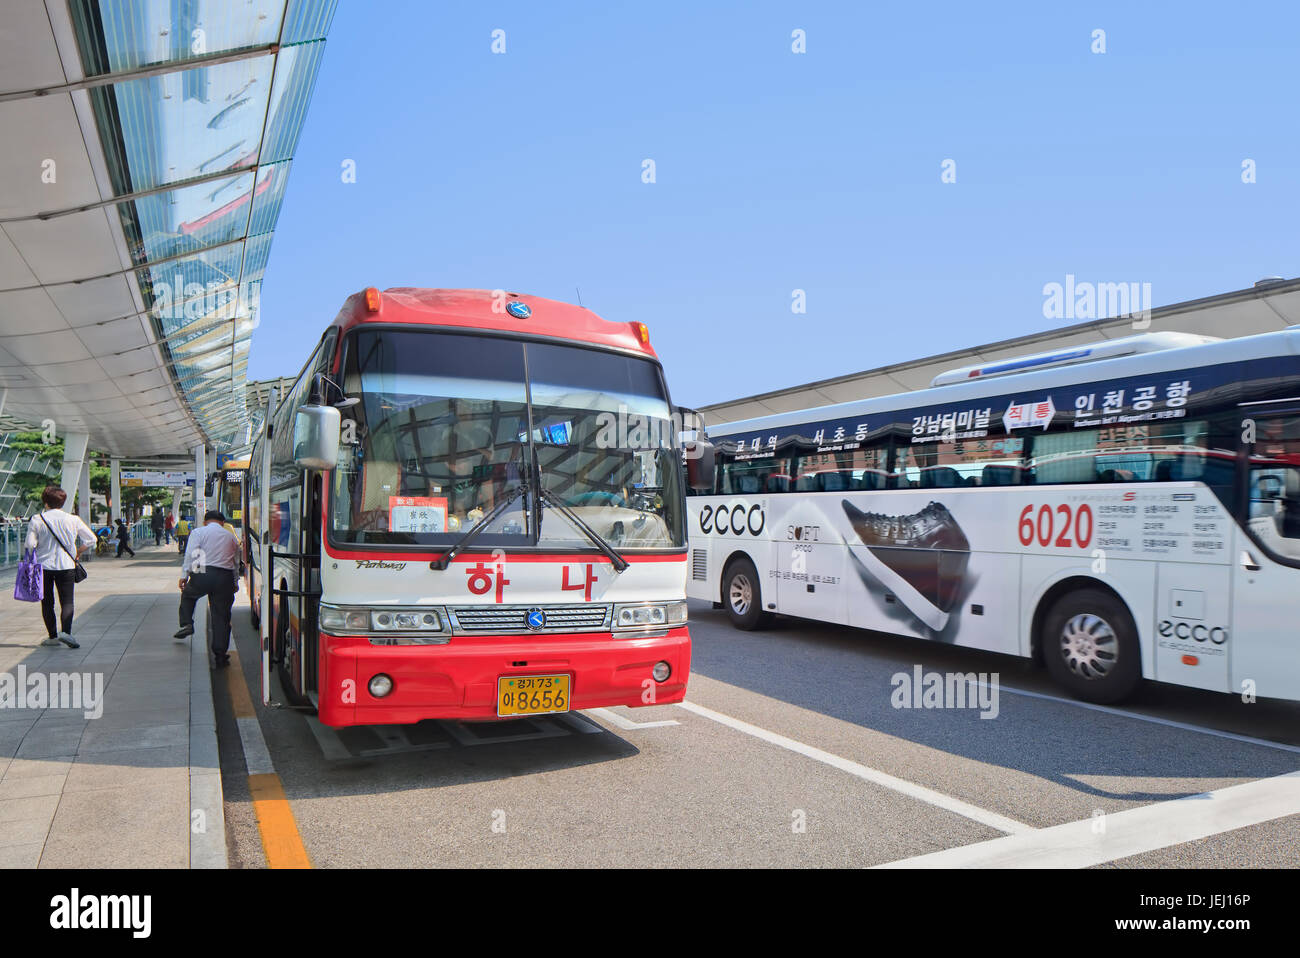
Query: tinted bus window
{"type": "Point", "coordinates": [770, 474]}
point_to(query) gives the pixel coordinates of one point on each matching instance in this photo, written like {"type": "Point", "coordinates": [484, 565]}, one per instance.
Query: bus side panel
{"type": "Point", "coordinates": [702, 579]}
{"type": "Point", "coordinates": [1134, 581]}
{"type": "Point", "coordinates": [930, 563]}
{"type": "Point", "coordinates": [1191, 624]}
{"type": "Point", "coordinates": [746, 527]}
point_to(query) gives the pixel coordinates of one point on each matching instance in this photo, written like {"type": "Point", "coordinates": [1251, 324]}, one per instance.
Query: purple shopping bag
{"type": "Point", "coordinates": [30, 584]}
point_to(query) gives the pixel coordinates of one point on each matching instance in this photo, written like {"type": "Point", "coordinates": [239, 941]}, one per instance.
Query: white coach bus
{"type": "Point", "coordinates": [1127, 510]}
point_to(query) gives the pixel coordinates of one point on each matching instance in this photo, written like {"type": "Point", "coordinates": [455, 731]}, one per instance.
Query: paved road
{"type": "Point", "coordinates": [790, 752]}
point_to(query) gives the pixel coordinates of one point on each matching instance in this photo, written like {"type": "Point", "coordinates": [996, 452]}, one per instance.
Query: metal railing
{"type": "Point", "coordinates": [13, 532]}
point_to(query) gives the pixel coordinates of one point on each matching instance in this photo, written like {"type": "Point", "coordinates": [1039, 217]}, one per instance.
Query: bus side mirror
{"type": "Point", "coordinates": [316, 437]}
{"type": "Point", "coordinates": [700, 465]}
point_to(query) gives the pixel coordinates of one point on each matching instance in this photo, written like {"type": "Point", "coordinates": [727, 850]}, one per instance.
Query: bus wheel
{"type": "Point", "coordinates": [742, 597]}
{"type": "Point", "coordinates": [1090, 646]}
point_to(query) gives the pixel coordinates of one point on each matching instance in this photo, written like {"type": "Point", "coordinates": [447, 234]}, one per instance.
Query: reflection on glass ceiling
{"type": "Point", "coordinates": [200, 151]}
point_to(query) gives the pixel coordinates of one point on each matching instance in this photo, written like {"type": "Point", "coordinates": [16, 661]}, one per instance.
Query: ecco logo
{"type": "Point", "coordinates": [736, 519]}
{"type": "Point", "coordinates": [1198, 632]}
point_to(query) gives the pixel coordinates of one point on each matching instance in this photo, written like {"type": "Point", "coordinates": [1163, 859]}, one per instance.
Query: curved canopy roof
{"type": "Point", "coordinates": [147, 147]}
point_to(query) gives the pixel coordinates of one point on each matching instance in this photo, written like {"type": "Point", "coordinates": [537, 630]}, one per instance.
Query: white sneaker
{"type": "Point", "coordinates": [67, 639]}
{"type": "Point", "coordinates": [50, 642]}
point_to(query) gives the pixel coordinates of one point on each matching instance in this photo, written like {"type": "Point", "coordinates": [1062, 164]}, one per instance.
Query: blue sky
{"type": "Point", "coordinates": [778, 171]}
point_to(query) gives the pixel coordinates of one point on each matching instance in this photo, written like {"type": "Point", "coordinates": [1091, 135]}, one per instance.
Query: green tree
{"type": "Point", "coordinates": [32, 483]}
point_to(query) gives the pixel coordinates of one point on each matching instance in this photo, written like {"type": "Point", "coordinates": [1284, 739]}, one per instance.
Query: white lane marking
{"type": "Point", "coordinates": [1127, 833]}
{"type": "Point", "coordinates": [875, 776]}
{"type": "Point", "coordinates": [331, 745]}
{"type": "Point", "coordinates": [1184, 726]}
{"type": "Point", "coordinates": [627, 724]}
{"type": "Point", "coordinates": [256, 755]}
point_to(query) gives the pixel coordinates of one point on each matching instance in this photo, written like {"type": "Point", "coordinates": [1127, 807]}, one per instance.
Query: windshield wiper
{"type": "Point", "coordinates": [551, 499]}
{"type": "Point", "coordinates": [444, 560]}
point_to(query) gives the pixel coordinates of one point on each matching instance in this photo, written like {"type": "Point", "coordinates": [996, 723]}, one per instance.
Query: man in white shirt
{"type": "Point", "coordinates": [44, 534]}
{"type": "Point", "coordinates": [211, 558]}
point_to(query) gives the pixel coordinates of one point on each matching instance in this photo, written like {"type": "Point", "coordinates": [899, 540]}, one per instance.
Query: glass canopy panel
{"type": "Point", "coordinates": [200, 280]}
{"type": "Point", "coordinates": [307, 20]}
{"type": "Point", "coordinates": [295, 77]}
{"type": "Point", "coordinates": [257, 251]}
{"type": "Point", "coordinates": [269, 194]}
{"type": "Point", "coordinates": [194, 122]}
{"type": "Point", "coordinates": [119, 35]}
{"type": "Point", "coordinates": [190, 218]}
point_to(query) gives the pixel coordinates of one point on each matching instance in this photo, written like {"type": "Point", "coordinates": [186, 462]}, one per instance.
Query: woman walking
{"type": "Point", "coordinates": [53, 534]}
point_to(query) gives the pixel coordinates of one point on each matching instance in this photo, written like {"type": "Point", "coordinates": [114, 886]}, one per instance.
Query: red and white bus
{"type": "Point", "coordinates": [470, 505]}
{"type": "Point", "coordinates": [1127, 510]}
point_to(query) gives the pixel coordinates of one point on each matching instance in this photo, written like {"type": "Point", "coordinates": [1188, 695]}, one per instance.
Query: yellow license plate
{"type": "Point", "coordinates": [532, 694]}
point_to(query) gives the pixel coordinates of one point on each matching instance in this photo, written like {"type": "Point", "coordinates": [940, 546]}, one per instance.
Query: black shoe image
{"type": "Point", "coordinates": [184, 632]}
{"type": "Point", "coordinates": [920, 558]}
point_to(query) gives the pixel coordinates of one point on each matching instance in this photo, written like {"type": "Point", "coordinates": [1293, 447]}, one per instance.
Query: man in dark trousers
{"type": "Point", "coordinates": [123, 540]}
{"type": "Point", "coordinates": [211, 558]}
{"type": "Point", "coordinates": [156, 524]}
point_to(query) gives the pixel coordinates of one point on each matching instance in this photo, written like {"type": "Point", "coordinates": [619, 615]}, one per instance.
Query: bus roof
{"type": "Point", "coordinates": [473, 309]}
{"type": "Point", "coordinates": [1284, 342]}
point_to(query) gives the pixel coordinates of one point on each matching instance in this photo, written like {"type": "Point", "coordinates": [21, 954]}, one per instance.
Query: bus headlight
{"type": "Point", "coordinates": [409, 626]}
{"type": "Point", "coordinates": [341, 619]}
{"type": "Point", "coordinates": [405, 620]}
{"type": "Point", "coordinates": [649, 615]}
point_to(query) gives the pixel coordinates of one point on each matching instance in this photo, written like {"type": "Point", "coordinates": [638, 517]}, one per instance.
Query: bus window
{"type": "Point", "coordinates": [1173, 450]}
{"type": "Point", "coordinates": [842, 471]}
{"type": "Point", "coordinates": [1274, 517]}
{"type": "Point", "coordinates": [969, 462]}
{"type": "Point", "coordinates": [754, 477]}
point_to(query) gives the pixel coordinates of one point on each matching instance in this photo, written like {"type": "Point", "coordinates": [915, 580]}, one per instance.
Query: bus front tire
{"type": "Point", "coordinates": [742, 596]}
{"type": "Point", "coordinates": [1090, 646]}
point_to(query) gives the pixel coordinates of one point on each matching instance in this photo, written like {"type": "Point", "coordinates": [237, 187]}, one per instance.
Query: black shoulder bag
{"type": "Point", "coordinates": [79, 574]}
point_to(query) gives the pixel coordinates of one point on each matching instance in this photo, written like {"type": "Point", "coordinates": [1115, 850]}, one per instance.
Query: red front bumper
{"type": "Point", "coordinates": [459, 680]}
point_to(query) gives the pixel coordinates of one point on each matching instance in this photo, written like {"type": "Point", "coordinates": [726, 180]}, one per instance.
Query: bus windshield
{"type": "Point", "coordinates": [450, 424]}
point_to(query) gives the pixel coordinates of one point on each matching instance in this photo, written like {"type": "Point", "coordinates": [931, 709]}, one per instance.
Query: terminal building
{"type": "Point", "coordinates": [1269, 305]}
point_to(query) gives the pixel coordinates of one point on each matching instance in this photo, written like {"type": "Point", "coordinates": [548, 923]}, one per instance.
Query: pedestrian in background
{"type": "Point", "coordinates": [211, 558]}
{"type": "Point", "coordinates": [123, 540]}
{"type": "Point", "coordinates": [49, 535]}
{"type": "Point", "coordinates": [156, 524]}
{"type": "Point", "coordinates": [182, 533]}
{"type": "Point", "coordinates": [167, 527]}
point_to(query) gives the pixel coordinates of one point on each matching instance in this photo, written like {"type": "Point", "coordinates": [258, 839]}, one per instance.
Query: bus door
{"type": "Point", "coordinates": [1264, 639]}
{"type": "Point", "coordinates": [310, 577]}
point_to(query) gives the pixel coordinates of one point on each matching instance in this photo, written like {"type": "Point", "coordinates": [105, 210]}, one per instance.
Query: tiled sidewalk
{"type": "Point", "coordinates": [139, 785]}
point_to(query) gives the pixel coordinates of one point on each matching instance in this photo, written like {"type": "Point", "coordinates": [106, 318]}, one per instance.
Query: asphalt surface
{"type": "Point", "coordinates": [789, 752]}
